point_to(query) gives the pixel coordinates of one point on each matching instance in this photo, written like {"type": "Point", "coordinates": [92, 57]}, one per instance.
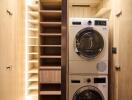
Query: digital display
{"type": "Point", "coordinates": [100, 80]}
{"type": "Point", "coordinates": [76, 23]}
{"type": "Point", "coordinates": [75, 81]}
{"type": "Point", "coordinates": [102, 23]}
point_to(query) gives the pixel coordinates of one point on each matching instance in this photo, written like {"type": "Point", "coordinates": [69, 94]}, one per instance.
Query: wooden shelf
{"type": "Point", "coordinates": [34, 14]}
{"type": "Point", "coordinates": [34, 7]}
{"type": "Point", "coordinates": [33, 88]}
{"type": "Point", "coordinates": [33, 79]}
{"type": "Point", "coordinates": [51, 13]}
{"type": "Point", "coordinates": [50, 1]}
{"type": "Point", "coordinates": [50, 67]}
{"type": "Point", "coordinates": [50, 24]}
{"type": "Point", "coordinates": [33, 29]}
{"type": "Point", "coordinates": [33, 92]}
{"type": "Point", "coordinates": [50, 45]}
{"type": "Point", "coordinates": [52, 4]}
{"type": "Point", "coordinates": [33, 53]}
{"type": "Point", "coordinates": [33, 37]}
{"type": "Point", "coordinates": [50, 92]}
{"type": "Point", "coordinates": [33, 21]}
{"type": "Point", "coordinates": [33, 71]}
{"type": "Point", "coordinates": [50, 56]}
{"type": "Point", "coordinates": [50, 34]}
{"type": "Point", "coordinates": [32, 45]}
{"type": "Point", "coordinates": [33, 61]}
{"type": "Point", "coordinates": [85, 3]}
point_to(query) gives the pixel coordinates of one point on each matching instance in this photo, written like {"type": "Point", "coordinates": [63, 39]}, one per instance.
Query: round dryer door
{"type": "Point", "coordinates": [89, 43]}
{"type": "Point", "coordinates": [88, 93]}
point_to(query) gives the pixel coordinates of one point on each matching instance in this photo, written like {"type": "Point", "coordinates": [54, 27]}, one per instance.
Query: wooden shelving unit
{"type": "Point", "coordinates": [32, 49]}
{"type": "Point", "coordinates": [43, 49]}
{"type": "Point", "coordinates": [50, 50]}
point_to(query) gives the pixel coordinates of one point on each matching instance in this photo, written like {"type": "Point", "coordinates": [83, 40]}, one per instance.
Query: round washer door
{"type": "Point", "coordinates": [89, 43]}
{"type": "Point", "coordinates": [88, 93]}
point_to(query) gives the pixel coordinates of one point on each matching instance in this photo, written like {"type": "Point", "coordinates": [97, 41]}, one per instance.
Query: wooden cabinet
{"type": "Point", "coordinates": [123, 42]}
{"type": "Point", "coordinates": [11, 50]}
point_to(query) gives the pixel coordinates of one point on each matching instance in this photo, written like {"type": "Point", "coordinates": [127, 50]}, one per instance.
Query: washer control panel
{"type": "Point", "coordinates": [89, 80]}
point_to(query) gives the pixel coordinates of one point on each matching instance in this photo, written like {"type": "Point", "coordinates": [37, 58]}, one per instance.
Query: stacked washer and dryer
{"type": "Point", "coordinates": [88, 59]}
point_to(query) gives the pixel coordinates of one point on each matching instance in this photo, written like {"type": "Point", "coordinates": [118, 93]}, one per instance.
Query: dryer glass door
{"type": "Point", "coordinates": [88, 95]}
{"type": "Point", "coordinates": [89, 43]}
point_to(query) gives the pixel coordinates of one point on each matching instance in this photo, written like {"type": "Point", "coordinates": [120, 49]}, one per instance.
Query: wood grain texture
{"type": "Point", "coordinates": [122, 40]}
{"type": "Point", "coordinates": [12, 47]}
{"type": "Point", "coordinates": [125, 52]}
{"type": "Point", "coordinates": [50, 76]}
{"type": "Point", "coordinates": [82, 11]}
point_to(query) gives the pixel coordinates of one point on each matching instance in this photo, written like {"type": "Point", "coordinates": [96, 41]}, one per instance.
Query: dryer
{"type": "Point", "coordinates": [88, 46]}
{"type": "Point", "coordinates": [88, 87]}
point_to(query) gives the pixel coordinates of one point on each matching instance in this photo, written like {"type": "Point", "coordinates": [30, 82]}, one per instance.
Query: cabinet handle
{"type": "Point", "coordinates": [117, 67]}
{"type": "Point", "coordinates": [9, 67]}
{"type": "Point", "coordinates": [9, 12]}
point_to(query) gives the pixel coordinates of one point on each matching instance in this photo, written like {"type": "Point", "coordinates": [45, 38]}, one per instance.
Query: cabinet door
{"type": "Point", "coordinates": [9, 69]}
{"type": "Point", "coordinates": [123, 40]}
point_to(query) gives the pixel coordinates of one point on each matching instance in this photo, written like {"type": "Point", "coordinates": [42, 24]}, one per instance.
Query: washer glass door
{"type": "Point", "coordinates": [89, 43]}
{"type": "Point", "coordinates": [88, 93]}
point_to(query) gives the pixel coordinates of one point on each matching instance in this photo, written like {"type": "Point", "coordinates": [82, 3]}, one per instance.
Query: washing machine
{"type": "Point", "coordinates": [88, 46]}
{"type": "Point", "coordinates": [88, 87]}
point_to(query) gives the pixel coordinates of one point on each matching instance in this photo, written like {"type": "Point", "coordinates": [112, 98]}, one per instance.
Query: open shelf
{"type": "Point", "coordinates": [33, 7]}
{"type": "Point", "coordinates": [50, 92]}
{"type": "Point", "coordinates": [85, 3]}
{"type": "Point", "coordinates": [50, 67]}
{"type": "Point", "coordinates": [50, 62]}
{"type": "Point", "coordinates": [33, 29]}
{"type": "Point", "coordinates": [54, 51]}
{"type": "Point", "coordinates": [49, 97]}
{"type": "Point", "coordinates": [50, 4]}
{"type": "Point", "coordinates": [33, 61]}
{"type": "Point", "coordinates": [50, 87]}
{"type": "Point", "coordinates": [50, 34]}
{"type": "Point", "coordinates": [33, 79]}
{"type": "Point", "coordinates": [33, 71]}
{"type": "Point", "coordinates": [50, 24]}
{"type": "Point", "coordinates": [33, 92]}
{"type": "Point", "coordinates": [33, 21]}
{"type": "Point", "coordinates": [45, 29]}
{"type": "Point", "coordinates": [52, 40]}
{"type": "Point", "coordinates": [50, 15]}
{"type": "Point", "coordinates": [33, 49]}
{"type": "Point", "coordinates": [34, 14]}
{"type": "Point", "coordinates": [50, 45]}
{"type": "Point", "coordinates": [33, 87]}
{"type": "Point", "coordinates": [50, 56]}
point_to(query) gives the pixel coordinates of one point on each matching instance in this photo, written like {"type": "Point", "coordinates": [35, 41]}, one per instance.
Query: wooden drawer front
{"type": "Point", "coordinates": [50, 76]}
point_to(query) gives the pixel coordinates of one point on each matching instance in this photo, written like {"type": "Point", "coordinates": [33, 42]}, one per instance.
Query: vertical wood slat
{"type": "Point", "coordinates": [64, 51]}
